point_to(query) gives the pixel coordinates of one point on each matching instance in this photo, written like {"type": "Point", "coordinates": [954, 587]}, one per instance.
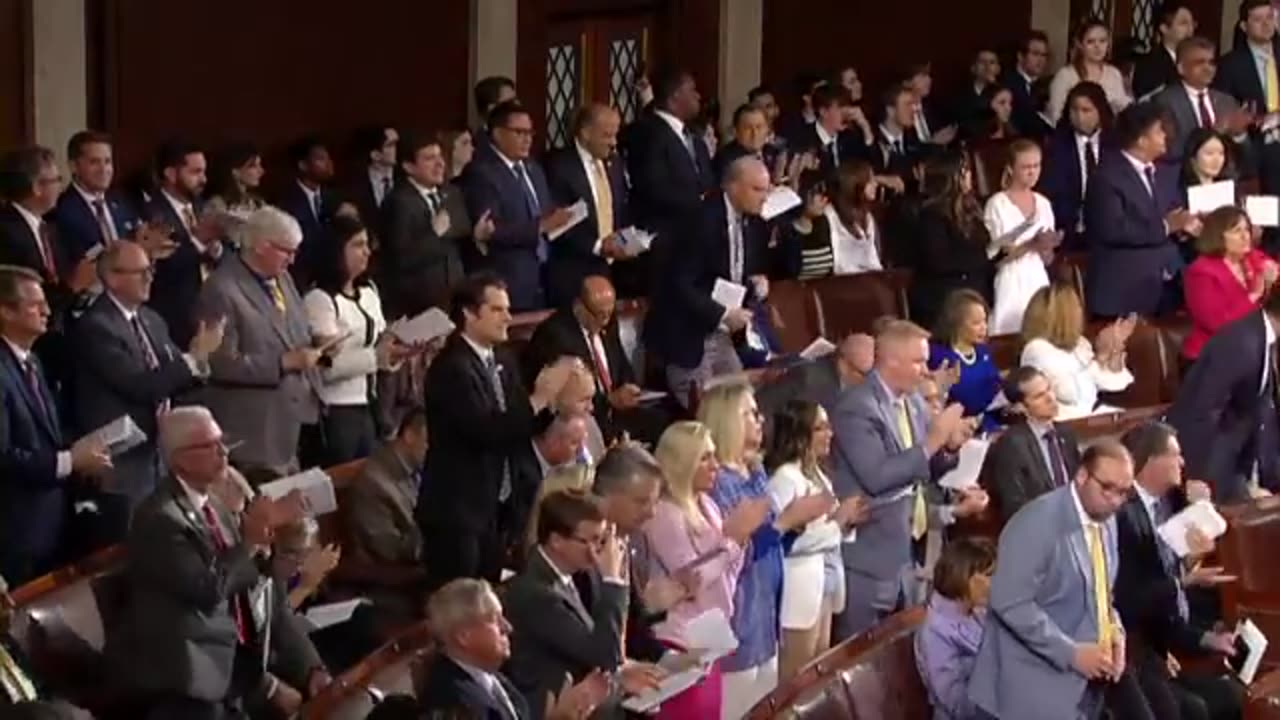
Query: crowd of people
{"type": "Point", "coordinates": [567, 519]}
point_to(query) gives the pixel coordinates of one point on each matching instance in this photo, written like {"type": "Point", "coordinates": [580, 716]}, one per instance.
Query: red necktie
{"type": "Point", "coordinates": [237, 602]}
{"type": "Point", "coordinates": [1206, 119]}
{"type": "Point", "coordinates": [602, 369]}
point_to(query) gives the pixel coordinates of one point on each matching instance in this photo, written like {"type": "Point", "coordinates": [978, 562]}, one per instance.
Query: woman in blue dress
{"type": "Point", "coordinates": [960, 345]}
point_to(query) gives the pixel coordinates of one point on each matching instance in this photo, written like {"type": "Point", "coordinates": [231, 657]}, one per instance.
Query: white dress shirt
{"type": "Point", "coordinates": [854, 250]}
{"type": "Point", "coordinates": [90, 199]}
{"type": "Point", "coordinates": [1194, 95]}
{"type": "Point", "coordinates": [381, 180]}
{"type": "Point", "coordinates": [313, 199]}
{"type": "Point", "coordinates": [1141, 168]}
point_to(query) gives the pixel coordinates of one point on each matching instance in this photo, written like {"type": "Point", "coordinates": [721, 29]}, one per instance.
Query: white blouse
{"type": "Point", "coordinates": [1112, 83]}
{"type": "Point", "coordinates": [855, 251]}
{"type": "Point", "coordinates": [346, 381]}
{"type": "Point", "coordinates": [1076, 376]}
{"type": "Point", "coordinates": [803, 570]}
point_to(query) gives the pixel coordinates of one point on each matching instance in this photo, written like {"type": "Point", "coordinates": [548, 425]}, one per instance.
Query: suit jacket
{"type": "Point", "coordinates": [180, 636]}
{"type": "Point", "coordinates": [1130, 255]}
{"type": "Point", "coordinates": [294, 201]}
{"type": "Point", "coordinates": [561, 334]}
{"type": "Point", "coordinates": [33, 500]}
{"type": "Point", "coordinates": [550, 636]}
{"type": "Point", "coordinates": [1223, 418]}
{"type": "Point", "coordinates": [869, 459]}
{"type": "Point", "coordinates": [1025, 117]}
{"type": "Point", "coordinates": [490, 185]}
{"type": "Point", "coordinates": [1042, 605]}
{"type": "Point", "coordinates": [361, 193]}
{"type": "Point", "coordinates": [449, 689]}
{"type": "Point", "coordinates": [1063, 183]}
{"type": "Point", "coordinates": [1186, 117]}
{"type": "Point", "coordinates": [179, 277]}
{"type": "Point", "coordinates": [471, 437]}
{"type": "Point", "coordinates": [419, 268]}
{"type": "Point", "coordinates": [1014, 471]}
{"type": "Point", "coordinates": [1154, 69]}
{"type": "Point", "coordinates": [1238, 76]}
{"type": "Point", "coordinates": [1146, 591]}
{"type": "Point", "coordinates": [848, 144]}
{"type": "Point", "coordinates": [727, 154]}
{"type": "Point", "coordinates": [379, 511]}
{"type": "Point", "coordinates": [573, 254]}
{"type": "Point", "coordinates": [667, 183]}
{"type": "Point", "coordinates": [681, 311]}
{"type": "Point", "coordinates": [77, 223]}
{"type": "Point", "coordinates": [118, 382]}
{"type": "Point", "coordinates": [20, 246]}
{"type": "Point", "coordinates": [255, 402]}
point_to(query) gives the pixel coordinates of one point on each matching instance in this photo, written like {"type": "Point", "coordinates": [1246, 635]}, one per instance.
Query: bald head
{"type": "Point", "coordinates": [596, 301]}
{"type": "Point", "coordinates": [746, 183]}
{"type": "Point", "coordinates": [597, 129]}
{"type": "Point", "coordinates": [855, 356]}
{"type": "Point", "coordinates": [125, 270]}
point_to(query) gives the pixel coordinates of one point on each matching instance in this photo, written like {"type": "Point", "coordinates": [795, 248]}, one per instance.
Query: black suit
{"type": "Point", "coordinates": [453, 692]}
{"type": "Point", "coordinates": [464, 524]}
{"type": "Point", "coordinates": [1152, 70]}
{"type": "Point", "coordinates": [667, 183]}
{"type": "Point", "coordinates": [295, 201]}
{"type": "Point", "coordinates": [179, 277]}
{"type": "Point", "coordinates": [20, 246]}
{"type": "Point", "coordinates": [419, 268]}
{"type": "Point", "coordinates": [1015, 471]}
{"type": "Point", "coordinates": [1146, 592]}
{"type": "Point", "coordinates": [848, 145]}
{"type": "Point", "coordinates": [900, 160]}
{"type": "Point", "coordinates": [1025, 116]}
{"type": "Point", "coordinates": [1225, 420]}
{"type": "Point", "coordinates": [573, 254]}
{"type": "Point", "coordinates": [1238, 77]}
{"type": "Point", "coordinates": [562, 334]}
{"type": "Point", "coordinates": [362, 194]}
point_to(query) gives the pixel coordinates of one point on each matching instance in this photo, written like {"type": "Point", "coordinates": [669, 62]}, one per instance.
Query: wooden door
{"type": "Point", "coordinates": [592, 60]}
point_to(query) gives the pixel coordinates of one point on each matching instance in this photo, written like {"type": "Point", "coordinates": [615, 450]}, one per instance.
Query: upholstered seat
{"type": "Point", "coordinates": [797, 308]}
{"type": "Point", "coordinates": [852, 303]}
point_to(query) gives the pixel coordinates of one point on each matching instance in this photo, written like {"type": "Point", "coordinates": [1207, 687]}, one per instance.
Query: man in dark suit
{"type": "Point", "coordinates": [376, 145]}
{"type": "Point", "coordinates": [726, 240]}
{"type": "Point", "coordinates": [208, 634]}
{"type": "Point", "coordinates": [136, 371]}
{"type": "Point", "coordinates": [1031, 457]}
{"type": "Point", "coordinates": [1247, 74]}
{"type": "Point", "coordinates": [1225, 411]}
{"type": "Point", "coordinates": [1160, 65]}
{"type": "Point", "coordinates": [1071, 156]}
{"type": "Point", "coordinates": [480, 419]}
{"type": "Point", "coordinates": [309, 199]}
{"type": "Point", "coordinates": [1151, 584]}
{"type": "Point", "coordinates": [89, 212]}
{"type": "Point", "coordinates": [588, 171]}
{"type": "Point", "coordinates": [180, 276]}
{"type": "Point", "coordinates": [1190, 103]}
{"type": "Point", "coordinates": [822, 380]}
{"type": "Point", "coordinates": [897, 143]}
{"type": "Point", "coordinates": [1032, 57]}
{"type": "Point", "coordinates": [827, 138]}
{"type": "Point", "coordinates": [488, 93]}
{"type": "Point", "coordinates": [750, 137]}
{"type": "Point", "coordinates": [1132, 211]}
{"type": "Point", "coordinates": [510, 188]}
{"type": "Point", "coordinates": [424, 223]}
{"type": "Point", "coordinates": [587, 330]}
{"type": "Point", "coordinates": [36, 461]}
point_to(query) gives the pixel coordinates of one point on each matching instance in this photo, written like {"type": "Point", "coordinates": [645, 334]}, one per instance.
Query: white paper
{"type": "Point", "coordinates": [1207, 198]}
{"type": "Point", "coordinates": [314, 484]}
{"type": "Point", "coordinates": [120, 435]}
{"type": "Point", "coordinates": [1200, 514]}
{"type": "Point", "coordinates": [820, 347]}
{"type": "Point", "coordinates": [709, 637]}
{"type": "Point", "coordinates": [423, 327]}
{"type": "Point", "coordinates": [323, 616]}
{"type": "Point", "coordinates": [1263, 210]}
{"type": "Point", "coordinates": [965, 474]}
{"type": "Point", "coordinates": [1257, 642]}
{"type": "Point", "coordinates": [674, 683]}
{"type": "Point", "coordinates": [780, 200]}
{"type": "Point", "coordinates": [577, 213]}
{"type": "Point", "coordinates": [635, 241]}
{"type": "Point", "coordinates": [728, 294]}
{"type": "Point", "coordinates": [648, 396]}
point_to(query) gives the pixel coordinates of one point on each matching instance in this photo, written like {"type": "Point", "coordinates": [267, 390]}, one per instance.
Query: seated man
{"type": "Point", "coordinates": [821, 380]}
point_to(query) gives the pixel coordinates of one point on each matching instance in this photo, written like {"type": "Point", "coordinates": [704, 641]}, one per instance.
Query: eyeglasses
{"type": "Point", "coordinates": [1112, 489]}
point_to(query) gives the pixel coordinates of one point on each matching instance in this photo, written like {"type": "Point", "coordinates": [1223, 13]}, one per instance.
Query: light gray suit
{"type": "Point", "coordinates": [1042, 605]}
{"type": "Point", "coordinates": [1186, 117]}
{"type": "Point", "coordinates": [255, 402]}
{"type": "Point", "coordinates": [869, 460]}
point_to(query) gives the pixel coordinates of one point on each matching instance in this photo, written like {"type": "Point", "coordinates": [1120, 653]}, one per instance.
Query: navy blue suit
{"type": "Point", "coordinates": [77, 223]}
{"type": "Point", "coordinates": [1131, 258]}
{"type": "Point", "coordinates": [572, 257]}
{"type": "Point", "coordinates": [1024, 108]}
{"type": "Point", "coordinates": [491, 185]}
{"type": "Point", "coordinates": [1061, 183]}
{"type": "Point", "coordinates": [178, 279]}
{"type": "Point", "coordinates": [681, 311]}
{"type": "Point", "coordinates": [295, 202]}
{"type": "Point", "coordinates": [1224, 418]}
{"type": "Point", "coordinates": [33, 500]}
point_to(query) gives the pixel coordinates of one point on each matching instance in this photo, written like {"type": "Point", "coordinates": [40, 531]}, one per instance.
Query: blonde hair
{"type": "Point", "coordinates": [720, 409]}
{"type": "Point", "coordinates": [679, 452]}
{"type": "Point", "coordinates": [572, 478]}
{"type": "Point", "coordinates": [1055, 314]}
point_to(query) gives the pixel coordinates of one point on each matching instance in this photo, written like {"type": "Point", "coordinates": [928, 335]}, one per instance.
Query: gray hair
{"type": "Point", "coordinates": [458, 603]}
{"type": "Point", "coordinates": [177, 425]}
{"type": "Point", "coordinates": [622, 467]}
{"type": "Point", "coordinates": [743, 166]}
{"type": "Point", "coordinates": [560, 424]}
{"type": "Point", "coordinates": [270, 223]}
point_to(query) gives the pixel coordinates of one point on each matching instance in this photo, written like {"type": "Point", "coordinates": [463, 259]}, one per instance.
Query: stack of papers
{"type": "Point", "coordinates": [1207, 198]}
{"type": "Point", "coordinates": [635, 241]}
{"type": "Point", "coordinates": [965, 474]}
{"type": "Point", "coordinates": [423, 327]}
{"type": "Point", "coordinates": [320, 617]}
{"type": "Point", "coordinates": [709, 637]}
{"type": "Point", "coordinates": [820, 347]}
{"type": "Point", "coordinates": [314, 484]}
{"type": "Point", "coordinates": [577, 213]}
{"type": "Point", "coordinates": [1200, 514]}
{"type": "Point", "coordinates": [780, 200]}
{"type": "Point", "coordinates": [1251, 644]}
{"type": "Point", "coordinates": [728, 294]}
{"type": "Point", "coordinates": [120, 435]}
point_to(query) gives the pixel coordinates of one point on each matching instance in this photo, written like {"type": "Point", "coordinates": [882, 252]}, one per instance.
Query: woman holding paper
{"type": "Point", "coordinates": [1020, 222]}
{"type": "Point", "coordinates": [344, 310]}
{"type": "Point", "coordinates": [1228, 280]}
{"type": "Point", "coordinates": [1206, 160]}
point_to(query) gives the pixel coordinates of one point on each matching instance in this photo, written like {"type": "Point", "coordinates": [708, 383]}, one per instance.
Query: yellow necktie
{"type": "Point", "coordinates": [277, 295]}
{"type": "Point", "coordinates": [1273, 86]}
{"type": "Point", "coordinates": [13, 681]}
{"type": "Point", "coordinates": [919, 510]}
{"type": "Point", "coordinates": [1101, 589]}
{"type": "Point", "coordinates": [604, 199]}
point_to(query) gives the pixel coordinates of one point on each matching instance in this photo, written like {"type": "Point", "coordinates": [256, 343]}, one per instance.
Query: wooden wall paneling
{"type": "Point", "coordinates": [17, 123]}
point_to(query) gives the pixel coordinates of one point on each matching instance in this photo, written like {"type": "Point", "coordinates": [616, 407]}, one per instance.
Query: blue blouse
{"type": "Point", "coordinates": [979, 381]}
{"type": "Point", "coordinates": [758, 596]}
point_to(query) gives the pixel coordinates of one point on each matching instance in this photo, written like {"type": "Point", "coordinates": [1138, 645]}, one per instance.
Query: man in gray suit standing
{"type": "Point", "coordinates": [1190, 103]}
{"type": "Point", "coordinates": [886, 449]}
{"type": "Point", "coordinates": [1053, 641]}
{"type": "Point", "coordinates": [263, 379]}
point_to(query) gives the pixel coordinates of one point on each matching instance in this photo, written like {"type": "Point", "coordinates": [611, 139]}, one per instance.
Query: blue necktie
{"type": "Point", "coordinates": [531, 202]}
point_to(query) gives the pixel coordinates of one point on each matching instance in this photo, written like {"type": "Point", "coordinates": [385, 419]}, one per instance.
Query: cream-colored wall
{"type": "Point", "coordinates": [1054, 18]}
{"type": "Point", "coordinates": [741, 44]}
{"type": "Point", "coordinates": [493, 43]}
{"type": "Point", "coordinates": [59, 84]}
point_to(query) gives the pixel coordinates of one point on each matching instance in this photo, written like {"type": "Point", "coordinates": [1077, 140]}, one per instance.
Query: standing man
{"type": "Point", "coordinates": [1032, 57]}
{"type": "Point", "coordinates": [1190, 103]}
{"type": "Point", "coordinates": [263, 379]}
{"type": "Point", "coordinates": [89, 213]}
{"type": "Point", "coordinates": [1053, 643]}
{"type": "Point", "coordinates": [1160, 65]}
{"type": "Point", "coordinates": [309, 199]}
{"type": "Point", "coordinates": [376, 146]}
{"type": "Point", "coordinates": [1248, 73]}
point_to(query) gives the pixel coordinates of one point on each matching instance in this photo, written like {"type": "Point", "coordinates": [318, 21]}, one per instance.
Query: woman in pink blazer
{"type": "Point", "coordinates": [1228, 279]}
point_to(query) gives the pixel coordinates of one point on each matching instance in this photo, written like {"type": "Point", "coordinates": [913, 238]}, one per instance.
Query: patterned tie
{"type": "Point", "coordinates": [1206, 118]}
{"type": "Point", "coordinates": [45, 240]}
{"type": "Point", "coordinates": [737, 230]}
{"type": "Point", "coordinates": [602, 367]}
{"type": "Point", "coordinates": [1273, 85]}
{"type": "Point", "coordinates": [604, 200]}
{"type": "Point", "coordinates": [500, 395]}
{"type": "Point", "coordinates": [1101, 585]}
{"type": "Point", "coordinates": [1059, 469]}
{"type": "Point", "coordinates": [1149, 172]}
{"type": "Point", "coordinates": [34, 384]}
{"type": "Point", "coordinates": [221, 545]}
{"type": "Point", "coordinates": [277, 295]}
{"type": "Point", "coordinates": [148, 351]}
{"type": "Point", "coordinates": [433, 202]}
{"type": "Point", "coordinates": [104, 222]}
{"type": "Point", "coordinates": [919, 509]}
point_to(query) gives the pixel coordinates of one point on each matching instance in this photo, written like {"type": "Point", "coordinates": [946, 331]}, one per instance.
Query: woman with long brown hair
{"type": "Point", "coordinates": [951, 238]}
{"type": "Point", "coordinates": [1090, 48]}
{"type": "Point", "coordinates": [839, 235]}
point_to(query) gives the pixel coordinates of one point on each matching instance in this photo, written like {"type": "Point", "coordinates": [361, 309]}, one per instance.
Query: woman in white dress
{"type": "Point", "coordinates": [1020, 221]}
{"type": "Point", "coordinates": [1055, 344]}
{"type": "Point", "coordinates": [1092, 42]}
